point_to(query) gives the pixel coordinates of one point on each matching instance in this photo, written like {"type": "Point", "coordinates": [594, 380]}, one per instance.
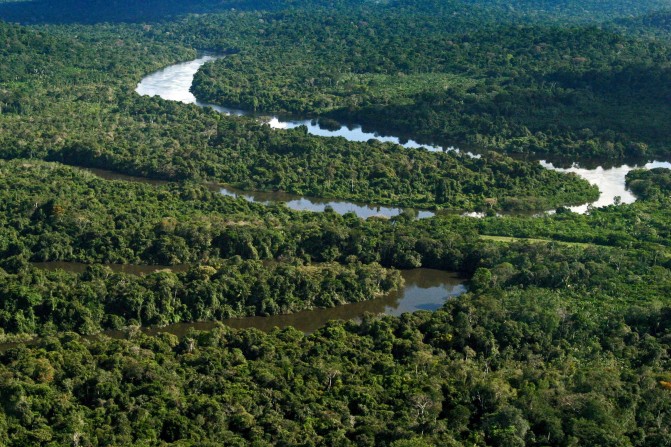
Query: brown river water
{"type": "Point", "coordinates": [424, 289]}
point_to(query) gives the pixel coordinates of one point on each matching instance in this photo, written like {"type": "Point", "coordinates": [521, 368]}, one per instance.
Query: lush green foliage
{"type": "Point", "coordinates": [495, 370]}
{"type": "Point", "coordinates": [655, 183]}
{"type": "Point", "coordinates": [574, 11]}
{"type": "Point", "coordinates": [534, 89]}
{"type": "Point", "coordinates": [97, 11]}
{"type": "Point", "coordinates": [93, 220]}
{"type": "Point", "coordinates": [52, 212]}
{"type": "Point", "coordinates": [46, 114]}
{"type": "Point", "coordinates": [562, 340]}
{"type": "Point", "coordinates": [643, 225]}
{"type": "Point", "coordinates": [34, 300]}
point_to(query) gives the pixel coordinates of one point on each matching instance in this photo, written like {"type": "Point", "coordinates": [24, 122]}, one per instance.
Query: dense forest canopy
{"type": "Point", "coordinates": [99, 11]}
{"type": "Point", "coordinates": [562, 338]}
{"type": "Point", "coordinates": [165, 140]}
{"type": "Point", "coordinates": [531, 88]}
{"type": "Point", "coordinates": [586, 10]}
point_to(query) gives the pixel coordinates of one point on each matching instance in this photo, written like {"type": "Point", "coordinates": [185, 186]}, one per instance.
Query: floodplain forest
{"type": "Point", "coordinates": [115, 237]}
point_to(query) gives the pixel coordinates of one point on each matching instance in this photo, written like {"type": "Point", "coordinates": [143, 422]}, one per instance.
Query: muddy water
{"type": "Point", "coordinates": [424, 289]}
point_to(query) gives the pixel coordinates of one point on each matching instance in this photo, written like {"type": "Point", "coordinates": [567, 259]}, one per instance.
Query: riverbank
{"type": "Point", "coordinates": [174, 83]}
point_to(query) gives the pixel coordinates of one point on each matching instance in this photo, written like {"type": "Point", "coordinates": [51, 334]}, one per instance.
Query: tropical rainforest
{"type": "Point", "coordinates": [562, 337]}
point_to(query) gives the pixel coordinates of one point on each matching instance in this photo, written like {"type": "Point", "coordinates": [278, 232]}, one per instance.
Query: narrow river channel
{"type": "Point", "coordinates": [423, 289]}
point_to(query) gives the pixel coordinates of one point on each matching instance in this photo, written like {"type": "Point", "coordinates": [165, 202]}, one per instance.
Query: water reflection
{"type": "Point", "coordinates": [292, 201]}
{"type": "Point", "coordinates": [174, 82]}
{"type": "Point", "coordinates": [610, 181]}
{"type": "Point", "coordinates": [424, 289]}
{"type": "Point", "coordinates": [300, 203]}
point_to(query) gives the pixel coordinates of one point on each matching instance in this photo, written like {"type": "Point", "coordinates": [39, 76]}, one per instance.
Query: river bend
{"type": "Point", "coordinates": [174, 83]}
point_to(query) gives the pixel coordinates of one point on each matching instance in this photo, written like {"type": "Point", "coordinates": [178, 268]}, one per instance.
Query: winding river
{"type": "Point", "coordinates": [174, 83]}
{"type": "Point", "coordinates": [423, 289]}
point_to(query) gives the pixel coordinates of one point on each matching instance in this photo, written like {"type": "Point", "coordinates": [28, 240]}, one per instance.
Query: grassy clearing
{"type": "Point", "coordinates": [508, 239]}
